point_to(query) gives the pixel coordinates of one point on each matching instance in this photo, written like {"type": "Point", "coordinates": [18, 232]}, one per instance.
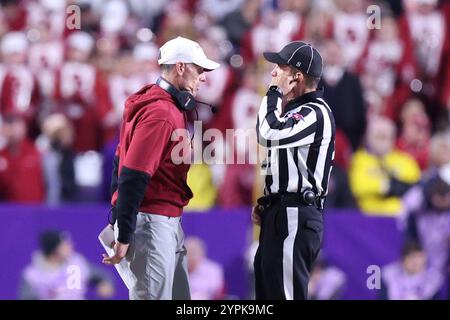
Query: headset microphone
{"type": "Point", "coordinates": [184, 100]}
{"type": "Point", "coordinates": [213, 108]}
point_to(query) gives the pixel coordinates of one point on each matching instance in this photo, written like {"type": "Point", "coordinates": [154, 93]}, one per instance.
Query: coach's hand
{"type": "Point", "coordinates": [120, 250]}
{"type": "Point", "coordinates": [256, 214]}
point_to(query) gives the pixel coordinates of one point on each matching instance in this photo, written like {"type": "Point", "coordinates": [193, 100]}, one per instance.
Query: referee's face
{"type": "Point", "coordinates": [287, 79]}
{"type": "Point", "coordinates": [281, 70]}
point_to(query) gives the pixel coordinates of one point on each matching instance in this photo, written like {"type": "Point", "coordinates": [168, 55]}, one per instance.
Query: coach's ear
{"type": "Point", "coordinates": [180, 67]}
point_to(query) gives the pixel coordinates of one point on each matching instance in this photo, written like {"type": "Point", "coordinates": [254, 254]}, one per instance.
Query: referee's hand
{"type": "Point", "coordinates": [256, 214]}
{"type": "Point", "coordinates": [120, 250]}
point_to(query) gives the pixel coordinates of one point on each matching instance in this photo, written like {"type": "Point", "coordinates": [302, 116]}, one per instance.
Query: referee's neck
{"type": "Point", "coordinates": [308, 90]}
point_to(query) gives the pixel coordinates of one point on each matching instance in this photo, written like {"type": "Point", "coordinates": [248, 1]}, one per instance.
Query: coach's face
{"type": "Point", "coordinates": [190, 77]}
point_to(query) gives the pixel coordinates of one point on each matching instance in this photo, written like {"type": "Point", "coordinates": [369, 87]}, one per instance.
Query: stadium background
{"type": "Point", "coordinates": [62, 91]}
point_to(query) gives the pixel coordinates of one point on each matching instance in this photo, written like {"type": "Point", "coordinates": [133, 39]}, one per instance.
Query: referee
{"type": "Point", "coordinates": [297, 127]}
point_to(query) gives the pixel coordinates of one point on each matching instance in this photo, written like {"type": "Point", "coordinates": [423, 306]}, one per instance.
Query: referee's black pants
{"type": "Point", "coordinates": [289, 243]}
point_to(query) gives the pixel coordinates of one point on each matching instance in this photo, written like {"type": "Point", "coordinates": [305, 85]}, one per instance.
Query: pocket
{"type": "Point", "coordinates": [131, 250]}
{"type": "Point", "coordinates": [281, 223]}
{"type": "Point", "coordinates": [313, 234]}
{"type": "Point", "coordinates": [314, 225]}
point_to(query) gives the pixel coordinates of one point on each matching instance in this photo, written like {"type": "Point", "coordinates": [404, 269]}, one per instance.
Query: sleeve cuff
{"type": "Point", "coordinates": [274, 93]}
{"type": "Point", "coordinates": [272, 100]}
{"type": "Point", "coordinates": [124, 238]}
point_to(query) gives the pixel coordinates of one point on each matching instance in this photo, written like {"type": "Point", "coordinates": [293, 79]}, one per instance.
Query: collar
{"type": "Point", "coordinates": [305, 98]}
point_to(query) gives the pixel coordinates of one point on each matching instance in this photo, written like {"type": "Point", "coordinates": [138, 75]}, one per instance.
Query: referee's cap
{"type": "Point", "coordinates": [300, 55]}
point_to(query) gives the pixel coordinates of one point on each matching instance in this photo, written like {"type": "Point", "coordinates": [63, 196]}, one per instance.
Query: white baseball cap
{"type": "Point", "coordinates": [81, 40]}
{"type": "Point", "coordinates": [14, 42]}
{"type": "Point", "coordinates": [184, 50]}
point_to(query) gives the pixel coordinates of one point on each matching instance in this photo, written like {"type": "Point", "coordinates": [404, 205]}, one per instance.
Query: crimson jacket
{"type": "Point", "coordinates": [148, 135]}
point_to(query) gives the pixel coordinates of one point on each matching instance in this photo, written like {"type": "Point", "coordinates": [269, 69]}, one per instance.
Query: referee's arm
{"type": "Point", "coordinates": [275, 131]}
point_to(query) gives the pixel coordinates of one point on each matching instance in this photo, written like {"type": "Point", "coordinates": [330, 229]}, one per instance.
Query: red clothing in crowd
{"type": "Point", "coordinates": [21, 175]}
{"type": "Point", "coordinates": [146, 145]}
{"type": "Point", "coordinates": [19, 92]}
{"type": "Point", "coordinates": [432, 57]}
{"type": "Point", "coordinates": [420, 153]}
{"type": "Point", "coordinates": [266, 36]}
{"type": "Point", "coordinates": [78, 88]}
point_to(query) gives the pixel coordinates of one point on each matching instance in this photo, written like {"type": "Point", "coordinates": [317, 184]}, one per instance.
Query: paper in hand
{"type": "Point", "coordinates": [107, 238]}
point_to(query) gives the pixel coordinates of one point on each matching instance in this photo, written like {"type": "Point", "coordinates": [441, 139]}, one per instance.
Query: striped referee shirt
{"type": "Point", "coordinates": [299, 142]}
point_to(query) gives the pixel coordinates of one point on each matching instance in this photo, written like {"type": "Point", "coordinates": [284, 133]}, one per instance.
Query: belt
{"type": "Point", "coordinates": [306, 198]}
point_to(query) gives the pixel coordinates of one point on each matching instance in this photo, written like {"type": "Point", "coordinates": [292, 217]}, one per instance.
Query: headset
{"type": "Point", "coordinates": [184, 100]}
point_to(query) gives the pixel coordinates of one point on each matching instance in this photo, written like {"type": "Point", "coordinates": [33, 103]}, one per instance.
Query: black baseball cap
{"type": "Point", "coordinates": [300, 55]}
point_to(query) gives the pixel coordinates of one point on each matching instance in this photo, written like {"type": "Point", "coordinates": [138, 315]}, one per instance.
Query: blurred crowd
{"type": "Point", "coordinates": [66, 68]}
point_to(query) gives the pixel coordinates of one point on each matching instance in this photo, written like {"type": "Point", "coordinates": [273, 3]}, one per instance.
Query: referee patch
{"type": "Point", "coordinates": [297, 117]}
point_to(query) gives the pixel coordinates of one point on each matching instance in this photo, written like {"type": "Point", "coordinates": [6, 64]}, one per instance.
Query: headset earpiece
{"type": "Point", "coordinates": [183, 99]}
{"type": "Point", "coordinates": [186, 100]}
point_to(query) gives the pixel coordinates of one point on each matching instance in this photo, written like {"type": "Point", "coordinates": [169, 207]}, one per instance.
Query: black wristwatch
{"type": "Point", "coordinates": [277, 89]}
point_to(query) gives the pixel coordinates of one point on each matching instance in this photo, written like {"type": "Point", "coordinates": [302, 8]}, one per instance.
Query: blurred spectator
{"type": "Point", "coordinates": [206, 277]}
{"type": "Point", "coordinates": [427, 207]}
{"type": "Point", "coordinates": [78, 82]}
{"type": "Point", "coordinates": [177, 21]}
{"type": "Point", "coordinates": [327, 282]}
{"type": "Point", "coordinates": [18, 86]}
{"type": "Point", "coordinates": [58, 159]}
{"type": "Point", "coordinates": [14, 13]}
{"type": "Point", "coordinates": [114, 17]}
{"type": "Point", "coordinates": [275, 29]}
{"type": "Point", "coordinates": [240, 21]}
{"type": "Point", "coordinates": [90, 19]}
{"type": "Point", "coordinates": [108, 49]}
{"type": "Point", "coordinates": [218, 82]}
{"type": "Point", "coordinates": [424, 25]}
{"type": "Point", "coordinates": [46, 56]}
{"type": "Point", "coordinates": [415, 132]}
{"type": "Point", "coordinates": [387, 69]}
{"type": "Point", "coordinates": [379, 173]}
{"type": "Point", "coordinates": [57, 272]}
{"type": "Point", "coordinates": [132, 71]}
{"type": "Point", "coordinates": [108, 154]}
{"type": "Point", "coordinates": [21, 176]}
{"type": "Point", "coordinates": [343, 150]}
{"type": "Point", "coordinates": [439, 150]}
{"type": "Point", "coordinates": [410, 278]}
{"type": "Point", "coordinates": [217, 9]}
{"type": "Point", "coordinates": [200, 181]}
{"type": "Point", "coordinates": [319, 24]}
{"type": "Point", "coordinates": [350, 30]}
{"type": "Point", "coordinates": [238, 183]}
{"type": "Point", "coordinates": [147, 11]}
{"type": "Point", "coordinates": [344, 94]}
{"type": "Point", "coordinates": [339, 193]}
{"type": "Point", "coordinates": [48, 14]}
{"type": "Point", "coordinates": [146, 68]}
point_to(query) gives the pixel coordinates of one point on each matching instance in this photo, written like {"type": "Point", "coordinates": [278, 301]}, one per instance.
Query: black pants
{"type": "Point", "coordinates": [289, 243]}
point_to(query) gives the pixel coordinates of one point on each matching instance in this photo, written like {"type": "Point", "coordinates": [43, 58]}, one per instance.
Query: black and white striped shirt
{"type": "Point", "coordinates": [300, 143]}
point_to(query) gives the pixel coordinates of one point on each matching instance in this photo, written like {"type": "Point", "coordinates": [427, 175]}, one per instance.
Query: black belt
{"type": "Point", "coordinates": [306, 198]}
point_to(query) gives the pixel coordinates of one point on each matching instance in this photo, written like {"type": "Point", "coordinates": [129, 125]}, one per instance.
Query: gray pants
{"type": "Point", "coordinates": [158, 259]}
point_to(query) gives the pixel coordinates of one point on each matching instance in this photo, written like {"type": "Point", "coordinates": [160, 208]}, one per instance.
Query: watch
{"type": "Point", "coordinates": [277, 89]}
